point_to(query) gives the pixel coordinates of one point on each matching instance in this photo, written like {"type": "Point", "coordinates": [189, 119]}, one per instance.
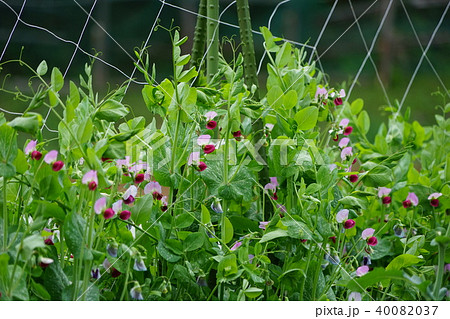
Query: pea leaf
{"type": "Point", "coordinates": [307, 118]}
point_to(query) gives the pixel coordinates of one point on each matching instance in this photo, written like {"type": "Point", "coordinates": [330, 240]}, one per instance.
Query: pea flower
{"type": "Point", "coordinates": [112, 249]}
{"type": "Point", "coordinates": [366, 261]}
{"type": "Point", "coordinates": [236, 245]}
{"type": "Point", "coordinates": [139, 178]}
{"type": "Point", "coordinates": [164, 203]}
{"type": "Point", "coordinates": [211, 125]}
{"type": "Point", "coordinates": [410, 200]}
{"type": "Point", "coordinates": [367, 234]}
{"type": "Point", "coordinates": [372, 241]}
{"type": "Point", "coordinates": [100, 208]}
{"type": "Point", "coordinates": [348, 130]}
{"type": "Point", "coordinates": [342, 215]}
{"type": "Point", "coordinates": [125, 215]}
{"type": "Point", "coordinates": [321, 92]}
{"type": "Point", "coordinates": [346, 153]}
{"type": "Point", "coordinates": [399, 231]}
{"type": "Point", "coordinates": [117, 206]}
{"type": "Point", "coordinates": [272, 185]}
{"type": "Point", "coordinates": [338, 97]}
{"type": "Point", "coordinates": [129, 195]}
{"type": "Point", "coordinates": [344, 142]}
{"type": "Point", "coordinates": [90, 179]}
{"type": "Point", "coordinates": [345, 128]}
{"type": "Point", "coordinates": [361, 271]}
{"type": "Point", "coordinates": [216, 206]}
{"type": "Point", "coordinates": [139, 265]}
{"type": "Point", "coordinates": [263, 225]}
{"type": "Point", "coordinates": [203, 140]}
{"type": "Point", "coordinates": [354, 296]}
{"type": "Point", "coordinates": [123, 162]}
{"type": "Point", "coordinates": [269, 127]}
{"type": "Point", "coordinates": [433, 198]}
{"type": "Point", "coordinates": [50, 158]}
{"type": "Point", "coordinates": [383, 193]}
{"type": "Point", "coordinates": [31, 148]}
{"type": "Point", "coordinates": [237, 135]}
{"type": "Point", "coordinates": [194, 160]}
{"type": "Point", "coordinates": [353, 178]}
{"type": "Point", "coordinates": [44, 262]}
{"type": "Point", "coordinates": [136, 292]}
{"type": "Point", "coordinates": [95, 273]}
{"type": "Point", "coordinates": [349, 223]}
{"type": "Point", "coordinates": [155, 189]}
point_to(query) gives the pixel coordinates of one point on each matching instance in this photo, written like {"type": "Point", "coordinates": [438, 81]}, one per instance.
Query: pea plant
{"type": "Point", "coordinates": [227, 194]}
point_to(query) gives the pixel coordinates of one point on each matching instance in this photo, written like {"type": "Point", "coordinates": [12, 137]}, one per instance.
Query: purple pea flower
{"type": "Point", "coordinates": [90, 179]}
{"type": "Point", "coordinates": [236, 245]}
{"type": "Point", "coordinates": [361, 271]}
{"type": "Point", "coordinates": [129, 195]}
{"type": "Point", "coordinates": [433, 198]}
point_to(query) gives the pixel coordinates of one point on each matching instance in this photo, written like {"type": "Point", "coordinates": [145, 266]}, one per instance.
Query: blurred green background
{"type": "Point", "coordinates": [396, 52]}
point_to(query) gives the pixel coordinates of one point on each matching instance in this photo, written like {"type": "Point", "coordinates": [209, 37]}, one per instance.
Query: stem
{"type": "Point", "coordinates": [126, 279]}
{"type": "Point", "coordinates": [440, 271]}
{"type": "Point", "coordinates": [5, 217]}
{"type": "Point", "coordinates": [198, 47]}
{"type": "Point", "coordinates": [245, 29]}
{"type": "Point", "coordinates": [212, 33]}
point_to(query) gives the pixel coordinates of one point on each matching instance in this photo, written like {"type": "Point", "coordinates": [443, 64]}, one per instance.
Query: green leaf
{"type": "Point", "coordinates": [85, 130]}
{"type": "Point", "coordinates": [353, 202]}
{"type": "Point", "coordinates": [229, 231]}
{"type": "Point", "coordinates": [42, 68]}
{"type": "Point", "coordinates": [274, 97]}
{"type": "Point", "coordinates": [420, 133]}
{"type": "Point", "coordinates": [227, 267]}
{"type": "Point", "coordinates": [269, 40]}
{"type": "Point", "coordinates": [277, 233]}
{"type": "Point", "coordinates": [142, 209]}
{"type": "Point", "coordinates": [28, 123]}
{"type": "Point", "coordinates": [290, 99]}
{"type": "Point", "coordinates": [20, 162]}
{"type": "Point", "coordinates": [29, 244]}
{"type": "Point", "coordinates": [166, 254]}
{"type": "Point", "coordinates": [57, 79]}
{"type": "Point", "coordinates": [8, 151]}
{"type": "Point", "coordinates": [187, 75]}
{"type": "Point", "coordinates": [284, 55]}
{"type": "Point", "coordinates": [40, 291]}
{"type": "Point", "coordinates": [307, 118]}
{"type": "Point", "coordinates": [378, 176]}
{"type": "Point", "coordinates": [183, 220]}
{"type": "Point", "coordinates": [50, 188]}
{"type": "Point", "coordinates": [403, 261]}
{"type": "Point", "coordinates": [115, 150]}
{"type": "Point", "coordinates": [74, 226]}
{"type": "Point", "coordinates": [193, 241]}
{"type": "Point", "coordinates": [356, 106]}
{"type": "Point", "coordinates": [363, 122]}
{"type": "Point", "coordinates": [183, 60]}
{"type": "Point", "coordinates": [111, 111]}
{"type": "Point", "coordinates": [205, 216]}
{"type": "Point", "coordinates": [373, 277]}
{"type": "Point", "coordinates": [181, 41]}
{"type": "Point", "coordinates": [53, 98]}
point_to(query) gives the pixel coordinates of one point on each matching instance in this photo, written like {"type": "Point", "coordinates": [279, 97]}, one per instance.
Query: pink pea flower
{"type": "Point", "coordinates": [129, 195]}
{"type": "Point", "coordinates": [203, 140]}
{"type": "Point", "coordinates": [361, 271]}
{"type": "Point", "coordinates": [372, 241]}
{"type": "Point", "coordinates": [348, 130]}
{"type": "Point", "coordinates": [366, 233]}
{"type": "Point", "coordinates": [433, 198]}
{"type": "Point", "coordinates": [209, 148]}
{"type": "Point", "coordinates": [31, 148]}
{"type": "Point", "coordinates": [263, 225]}
{"type": "Point", "coordinates": [125, 215]}
{"type": "Point", "coordinates": [139, 178]}
{"type": "Point", "coordinates": [344, 142]}
{"type": "Point", "coordinates": [236, 245]}
{"type": "Point", "coordinates": [123, 162]}
{"type": "Point", "coordinates": [50, 158]}
{"type": "Point", "coordinates": [349, 223]}
{"type": "Point", "coordinates": [164, 204]}
{"type": "Point", "coordinates": [346, 153]}
{"type": "Point", "coordinates": [342, 215]}
{"type": "Point", "coordinates": [353, 178]}
{"type": "Point", "coordinates": [321, 93]}
{"type": "Point", "coordinates": [100, 208]}
{"type": "Point", "coordinates": [282, 208]}
{"type": "Point", "coordinates": [343, 123]}
{"type": "Point", "coordinates": [155, 189]}
{"type": "Point", "coordinates": [194, 158]}
{"type": "Point", "coordinates": [410, 200]}
{"type": "Point", "coordinates": [237, 135]}
{"type": "Point", "coordinates": [272, 185]}
{"type": "Point", "coordinates": [211, 125]}
{"type": "Point", "coordinates": [202, 166]}
{"type": "Point", "coordinates": [354, 296]}
{"type": "Point", "coordinates": [383, 193]}
{"type": "Point", "coordinates": [90, 179]}
{"type": "Point", "coordinates": [269, 126]}
{"type": "Point", "coordinates": [117, 206]}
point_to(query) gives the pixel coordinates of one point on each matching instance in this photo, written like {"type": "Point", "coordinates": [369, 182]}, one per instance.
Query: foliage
{"type": "Point", "coordinates": [175, 210]}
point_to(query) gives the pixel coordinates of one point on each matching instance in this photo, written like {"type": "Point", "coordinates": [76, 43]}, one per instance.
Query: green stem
{"type": "Point", "coordinates": [440, 271]}
{"type": "Point", "coordinates": [124, 290]}
{"type": "Point", "coordinates": [212, 34]}
{"type": "Point", "coordinates": [245, 29]}
{"type": "Point", "coordinates": [198, 47]}
{"type": "Point", "coordinates": [5, 217]}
